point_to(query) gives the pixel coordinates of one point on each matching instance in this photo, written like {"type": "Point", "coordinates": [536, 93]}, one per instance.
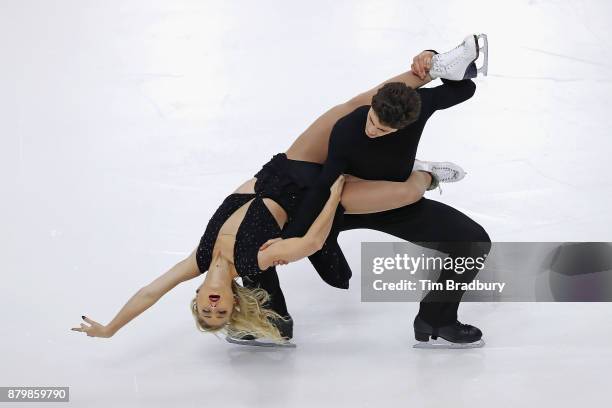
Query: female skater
{"type": "Point", "coordinates": [235, 241]}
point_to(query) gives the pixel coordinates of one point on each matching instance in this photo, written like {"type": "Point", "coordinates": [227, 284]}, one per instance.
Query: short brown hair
{"type": "Point", "coordinates": [396, 104]}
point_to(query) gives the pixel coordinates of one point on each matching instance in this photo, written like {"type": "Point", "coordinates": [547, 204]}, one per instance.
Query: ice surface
{"type": "Point", "coordinates": [125, 123]}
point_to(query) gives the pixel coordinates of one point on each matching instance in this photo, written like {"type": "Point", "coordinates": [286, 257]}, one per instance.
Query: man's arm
{"type": "Point", "coordinates": [318, 193]}
{"type": "Point", "coordinates": [292, 249]}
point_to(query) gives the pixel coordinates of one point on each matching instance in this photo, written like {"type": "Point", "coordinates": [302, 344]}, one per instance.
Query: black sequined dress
{"type": "Point", "coordinates": [286, 182]}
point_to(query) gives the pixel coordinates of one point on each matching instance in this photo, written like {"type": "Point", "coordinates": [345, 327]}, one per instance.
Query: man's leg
{"type": "Point", "coordinates": [270, 283]}
{"type": "Point", "coordinates": [447, 230]}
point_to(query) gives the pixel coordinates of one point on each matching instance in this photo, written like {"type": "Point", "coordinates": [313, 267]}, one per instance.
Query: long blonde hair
{"type": "Point", "coordinates": [248, 316]}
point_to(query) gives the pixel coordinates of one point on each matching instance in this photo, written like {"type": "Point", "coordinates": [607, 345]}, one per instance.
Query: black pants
{"type": "Point", "coordinates": [426, 223]}
{"type": "Point", "coordinates": [269, 281]}
{"type": "Point", "coordinates": [438, 226]}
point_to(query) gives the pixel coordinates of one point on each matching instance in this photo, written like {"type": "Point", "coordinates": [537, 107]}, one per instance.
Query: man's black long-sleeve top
{"type": "Point", "coordinates": [389, 157]}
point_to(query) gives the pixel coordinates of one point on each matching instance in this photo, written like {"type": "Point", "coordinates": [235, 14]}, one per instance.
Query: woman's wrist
{"type": "Point", "coordinates": [109, 331]}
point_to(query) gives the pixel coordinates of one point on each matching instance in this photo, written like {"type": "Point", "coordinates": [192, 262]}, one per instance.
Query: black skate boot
{"type": "Point", "coordinates": [456, 335]}
{"type": "Point", "coordinates": [285, 327]}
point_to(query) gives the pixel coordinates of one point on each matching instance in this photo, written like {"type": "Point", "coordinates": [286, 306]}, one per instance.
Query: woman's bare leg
{"type": "Point", "coordinates": [312, 144]}
{"type": "Point", "coordinates": [369, 196]}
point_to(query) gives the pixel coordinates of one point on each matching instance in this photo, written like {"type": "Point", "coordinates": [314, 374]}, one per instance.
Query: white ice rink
{"type": "Point", "coordinates": [125, 123]}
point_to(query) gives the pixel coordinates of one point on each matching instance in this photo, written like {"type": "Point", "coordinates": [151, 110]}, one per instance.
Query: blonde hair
{"type": "Point", "coordinates": [248, 317]}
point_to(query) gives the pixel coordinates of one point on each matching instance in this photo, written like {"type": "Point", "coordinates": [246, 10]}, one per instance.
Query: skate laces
{"type": "Point", "coordinates": [445, 174]}
{"type": "Point", "coordinates": [439, 66]}
{"type": "Point", "coordinates": [442, 174]}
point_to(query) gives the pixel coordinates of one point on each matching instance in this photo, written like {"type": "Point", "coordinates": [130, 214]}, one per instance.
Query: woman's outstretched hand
{"type": "Point", "coordinates": [95, 330]}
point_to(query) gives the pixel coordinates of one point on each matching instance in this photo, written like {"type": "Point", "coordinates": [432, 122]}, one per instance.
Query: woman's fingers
{"type": "Point", "coordinates": [422, 66]}
{"type": "Point", "coordinates": [83, 328]}
{"type": "Point", "coordinates": [416, 66]}
{"type": "Point", "coordinates": [94, 329]}
{"type": "Point", "coordinates": [88, 320]}
{"type": "Point", "coordinates": [340, 181]}
{"type": "Point", "coordinates": [336, 188]}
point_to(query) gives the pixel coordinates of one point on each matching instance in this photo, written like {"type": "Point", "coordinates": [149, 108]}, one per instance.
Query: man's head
{"type": "Point", "coordinates": [394, 106]}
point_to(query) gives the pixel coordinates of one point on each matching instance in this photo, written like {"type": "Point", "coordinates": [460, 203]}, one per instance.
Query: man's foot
{"type": "Point", "coordinates": [460, 62]}
{"type": "Point", "coordinates": [456, 335]}
{"type": "Point", "coordinates": [441, 172]}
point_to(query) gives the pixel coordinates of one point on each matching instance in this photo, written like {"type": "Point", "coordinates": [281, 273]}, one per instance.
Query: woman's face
{"type": "Point", "coordinates": [215, 303]}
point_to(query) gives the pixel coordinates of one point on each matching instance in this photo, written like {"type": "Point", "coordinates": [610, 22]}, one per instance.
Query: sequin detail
{"type": "Point", "coordinates": [276, 181]}
{"type": "Point", "coordinates": [231, 203]}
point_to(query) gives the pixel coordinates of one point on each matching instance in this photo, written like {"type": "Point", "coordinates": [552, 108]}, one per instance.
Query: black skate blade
{"type": "Point", "coordinates": [441, 343]}
{"type": "Point", "coordinates": [259, 343]}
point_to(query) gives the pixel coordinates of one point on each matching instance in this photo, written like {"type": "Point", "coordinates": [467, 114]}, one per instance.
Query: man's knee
{"type": "Point", "coordinates": [481, 240]}
{"type": "Point", "coordinates": [482, 235]}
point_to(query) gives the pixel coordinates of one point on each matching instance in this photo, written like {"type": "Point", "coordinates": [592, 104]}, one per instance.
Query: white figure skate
{"type": "Point", "coordinates": [258, 342]}
{"type": "Point", "coordinates": [460, 62]}
{"type": "Point", "coordinates": [441, 172]}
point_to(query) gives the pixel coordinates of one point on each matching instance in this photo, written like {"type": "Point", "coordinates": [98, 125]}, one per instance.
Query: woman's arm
{"type": "Point", "coordinates": [144, 298]}
{"type": "Point", "coordinates": [292, 249]}
{"type": "Point", "coordinates": [361, 196]}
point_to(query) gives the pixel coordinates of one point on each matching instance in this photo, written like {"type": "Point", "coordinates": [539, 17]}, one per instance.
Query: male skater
{"type": "Point", "coordinates": [379, 142]}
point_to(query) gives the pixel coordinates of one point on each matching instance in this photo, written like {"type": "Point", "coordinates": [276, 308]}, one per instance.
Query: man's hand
{"type": "Point", "coordinates": [421, 64]}
{"type": "Point", "coordinates": [95, 330]}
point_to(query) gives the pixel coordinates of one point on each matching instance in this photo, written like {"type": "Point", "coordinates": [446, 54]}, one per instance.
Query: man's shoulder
{"type": "Point", "coordinates": [346, 131]}
{"type": "Point", "coordinates": [354, 119]}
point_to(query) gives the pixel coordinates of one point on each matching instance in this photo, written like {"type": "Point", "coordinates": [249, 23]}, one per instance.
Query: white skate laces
{"type": "Point", "coordinates": [441, 172]}
{"type": "Point", "coordinates": [459, 63]}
